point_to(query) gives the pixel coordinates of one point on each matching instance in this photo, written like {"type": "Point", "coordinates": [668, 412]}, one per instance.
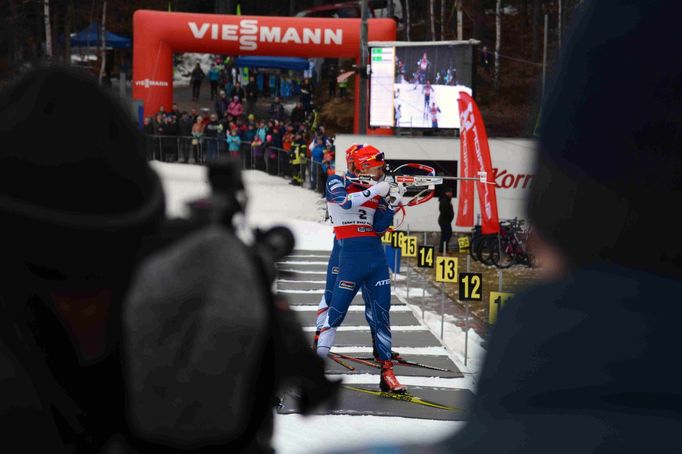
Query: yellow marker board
{"type": "Point", "coordinates": [386, 237]}
{"type": "Point", "coordinates": [425, 256]}
{"type": "Point", "coordinates": [463, 243]}
{"type": "Point", "coordinates": [446, 269]}
{"type": "Point", "coordinates": [409, 246]}
{"type": "Point", "coordinates": [470, 286]}
{"type": "Point", "coordinates": [397, 239]}
{"type": "Point", "coordinates": [497, 300]}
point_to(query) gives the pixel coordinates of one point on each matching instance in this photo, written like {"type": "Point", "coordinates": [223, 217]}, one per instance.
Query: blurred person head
{"type": "Point", "coordinates": [596, 191]}
{"type": "Point", "coordinates": [64, 239]}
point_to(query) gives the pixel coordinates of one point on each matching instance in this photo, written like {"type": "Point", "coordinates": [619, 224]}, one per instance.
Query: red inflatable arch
{"type": "Point", "coordinates": [157, 35]}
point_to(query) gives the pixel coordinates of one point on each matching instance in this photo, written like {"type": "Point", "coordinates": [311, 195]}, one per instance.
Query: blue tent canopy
{"type": "Point", "coordinates": [300, 64]}
{"type": "Point", "coordinates": [92, 37]}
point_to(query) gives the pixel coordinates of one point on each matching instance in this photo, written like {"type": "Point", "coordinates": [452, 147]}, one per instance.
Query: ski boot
{"type": "Point", "coordinates": [388, 382]}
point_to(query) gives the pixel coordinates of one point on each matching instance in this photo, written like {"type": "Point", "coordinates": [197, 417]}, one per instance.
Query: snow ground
{"type": "Point", "coordinates": [272, 201]}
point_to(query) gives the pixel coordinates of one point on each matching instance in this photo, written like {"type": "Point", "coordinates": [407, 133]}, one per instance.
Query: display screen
{"type": "Point", "coordinates": [418, 86]}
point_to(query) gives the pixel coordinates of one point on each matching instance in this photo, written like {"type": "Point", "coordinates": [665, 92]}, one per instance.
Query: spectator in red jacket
{"type": "Point", "coordinates": [236, 109]}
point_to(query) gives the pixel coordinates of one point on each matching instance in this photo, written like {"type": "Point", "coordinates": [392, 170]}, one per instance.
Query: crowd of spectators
{"type": "Point", "coordinates": [250, 83]}
{"type": "Point", "coordinates": [277, 141]}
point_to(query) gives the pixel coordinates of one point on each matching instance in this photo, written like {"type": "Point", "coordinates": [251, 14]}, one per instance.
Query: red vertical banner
{"type": "Point", "coordinates": [479, 152]}
{"type": "Point", "coordinates": [465, 196]}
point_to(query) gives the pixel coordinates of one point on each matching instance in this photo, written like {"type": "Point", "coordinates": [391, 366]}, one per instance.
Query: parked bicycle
{"type": "Point", "coordinates": [504, 249]}
{"type": "Point", "coordinates": [512, 245]}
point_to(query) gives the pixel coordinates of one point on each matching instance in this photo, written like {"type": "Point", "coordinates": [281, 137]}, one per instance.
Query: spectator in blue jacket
{"type": "Point", "coordinates": [213, 77]}
{"type": "Point", "coordinates": [248, 135]}
{"type": "Point", "coordinates": [317, 153]}
{"type": "Point", "coordinates": [233, 143]}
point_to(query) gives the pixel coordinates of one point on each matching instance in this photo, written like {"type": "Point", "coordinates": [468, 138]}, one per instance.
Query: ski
{"type": "Point", "coordinates": [333, 357]}
{"type": "Point", "coordinates": [404, 397]}
{"type": "Point", "coordinates": [406, 362]}
{"type": "Point", "coordinates": [357, 360]}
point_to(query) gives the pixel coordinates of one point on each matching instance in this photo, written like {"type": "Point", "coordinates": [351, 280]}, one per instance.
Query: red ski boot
{"type": "Point", "coordinates": [389, 383]}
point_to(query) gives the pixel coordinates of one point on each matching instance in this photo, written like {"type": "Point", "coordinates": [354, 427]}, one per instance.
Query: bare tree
{"type": "Point", "coordinates": [48, 28]}
{"type": "Point", "coordinates": [559, 23]}
{"type": "Point", "coordinates": [443, 22]}
{"type": "Point", "coordinates": [535, 30]}
{"type": "Point", "coordinates": [407, 19]}
{"type": "Point", "coordinates": [498, 39]}
{"type": "Point", "coordinates": [15, 34]}
{"type": "Point", "coordinates": [432, 19]}
{"type": "Point", "coordinates": [460, 21]}
{"type": "Point", "coordinates": [478, 16]}
{"type": "Point", "coordinates": [103, 51]}
{"type": "Point", "coordinates": [67, 33]}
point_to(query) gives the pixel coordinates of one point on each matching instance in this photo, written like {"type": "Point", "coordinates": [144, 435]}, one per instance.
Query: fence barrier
{"type": "Point", "coordinates": [273, 160]}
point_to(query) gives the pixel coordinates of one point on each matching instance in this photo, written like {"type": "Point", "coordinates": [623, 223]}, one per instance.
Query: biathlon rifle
{"type": "Point", "coordinates": [428, 180]}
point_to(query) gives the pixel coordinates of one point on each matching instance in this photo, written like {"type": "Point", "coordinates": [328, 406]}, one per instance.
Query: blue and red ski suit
{"type": "Point", "coordinates": [359, 216]}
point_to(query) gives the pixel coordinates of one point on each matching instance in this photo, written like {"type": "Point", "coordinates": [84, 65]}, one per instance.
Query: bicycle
{"type": "Point", "coordinates": [511, 246]}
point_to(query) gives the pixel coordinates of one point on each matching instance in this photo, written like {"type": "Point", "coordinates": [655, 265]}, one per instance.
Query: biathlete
{"type": "Point", "coordinates": [332, 273]}
{"type": "Point", "coordinates": [360, 213]}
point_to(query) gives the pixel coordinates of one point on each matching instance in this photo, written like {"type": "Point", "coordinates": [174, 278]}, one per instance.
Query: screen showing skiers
{"type": "Point", "coordinates": [423, 83]}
